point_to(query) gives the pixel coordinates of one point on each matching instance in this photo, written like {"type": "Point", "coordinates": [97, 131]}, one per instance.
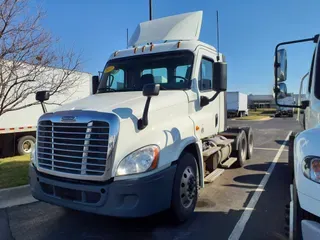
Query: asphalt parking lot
{"type": "Point", "coordinates": [244, 203]}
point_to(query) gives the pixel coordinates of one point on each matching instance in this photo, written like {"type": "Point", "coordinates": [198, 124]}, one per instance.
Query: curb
{"type": "Point", "coordinates": [15, 196]}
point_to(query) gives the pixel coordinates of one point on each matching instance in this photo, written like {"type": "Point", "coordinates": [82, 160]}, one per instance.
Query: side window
{"type": "Point", "coordinates": [160, 74]}
{"type": "Point", "coordinates": [205, 75]}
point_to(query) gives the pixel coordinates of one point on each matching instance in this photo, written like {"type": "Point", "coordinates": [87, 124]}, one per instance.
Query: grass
{"type": "Point", "coordinates": [262, 111]}
{"type": "Point", "coordinates": [252, 117]}
{"type": "Point", "coordinates": [14, 171]}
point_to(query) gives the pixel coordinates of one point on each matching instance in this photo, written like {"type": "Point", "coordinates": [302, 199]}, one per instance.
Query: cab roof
{"type": "Point", "coordinates": [162, 47]}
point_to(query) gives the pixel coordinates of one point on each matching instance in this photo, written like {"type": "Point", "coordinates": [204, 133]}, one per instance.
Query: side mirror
{"type": "Point", "coordinates": [281, 90]}
{"type": "Point", "coordinates": [281, 65]}
{"type": "Point", "coordinates": [219, 77]}
{"type": "Point", "coordinates": [42, 96]}
{"type": "Point", "coordinates": [95, 84]}
{"type": "Point", "coordinates": [151, 89]}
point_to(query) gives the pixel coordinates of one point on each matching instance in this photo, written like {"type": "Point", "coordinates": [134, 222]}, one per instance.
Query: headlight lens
{"type": "Point", "coordinates": [311, 168]}
{"type": "Point", "coordinates": [141, 160]}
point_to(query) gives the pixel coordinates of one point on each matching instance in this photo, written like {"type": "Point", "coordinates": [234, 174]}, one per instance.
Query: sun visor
{"type": "Point", "coordinates": [185, 26]}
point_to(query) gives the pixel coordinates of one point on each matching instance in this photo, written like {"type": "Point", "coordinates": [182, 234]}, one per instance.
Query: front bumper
{"type": "Point", "coordinates": [126, 198]}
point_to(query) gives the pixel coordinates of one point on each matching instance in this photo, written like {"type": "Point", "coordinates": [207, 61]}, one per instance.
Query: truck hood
{"type": "Point", "coordinates": [120, 102]}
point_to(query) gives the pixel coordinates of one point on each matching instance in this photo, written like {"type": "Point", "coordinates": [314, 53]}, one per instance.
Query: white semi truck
{"type": "Point", "coordinates": [304, 156]}
{"type": "Point", "coordinates": [237, 104]}
{"type": "Point", "coordinates": [152, 133]}
{"type": "Point", "coordinates": [18, 128]}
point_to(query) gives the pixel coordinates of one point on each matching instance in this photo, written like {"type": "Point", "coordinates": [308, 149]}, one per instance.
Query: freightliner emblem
{"type": "Point", "coordinates": [68, 119]}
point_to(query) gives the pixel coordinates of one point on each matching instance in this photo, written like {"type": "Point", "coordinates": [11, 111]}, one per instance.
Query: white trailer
{"type": "Point", "coordinates": [18, 128]}
{"type": "Point", "coordinates": [237, 104]}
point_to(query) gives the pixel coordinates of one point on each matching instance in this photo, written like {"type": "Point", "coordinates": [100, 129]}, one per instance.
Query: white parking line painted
{"type": "Point", "coordinates": [270, 149]}
{"type": "Point", "coordinates": [239, 227]}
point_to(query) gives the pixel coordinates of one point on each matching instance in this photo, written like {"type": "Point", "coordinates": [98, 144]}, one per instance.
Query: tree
{"type": "Point", "coordinates": [30, 59]}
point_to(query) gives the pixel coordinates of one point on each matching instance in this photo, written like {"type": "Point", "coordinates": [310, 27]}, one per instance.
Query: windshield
{"type": "Point", "coordinates": [171, 70]}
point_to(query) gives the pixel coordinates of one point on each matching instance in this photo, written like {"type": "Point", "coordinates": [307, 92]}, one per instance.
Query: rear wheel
{"type": "Point", "coordinates": [185, 189]}
{"type": "Point", "coordinates": [26, 144]}
{"type": "Point", "coordinates": [242, 149]}
{"type": "Point", "coordinates": [249, 135]}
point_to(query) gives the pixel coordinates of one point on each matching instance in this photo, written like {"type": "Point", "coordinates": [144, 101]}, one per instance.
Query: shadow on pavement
{"type": "Point", "coordinates": [258, 167]}
{"type": "Point", "coordinates": [281, 142]}
{"type": "Point", "coordinates": [43, 221]}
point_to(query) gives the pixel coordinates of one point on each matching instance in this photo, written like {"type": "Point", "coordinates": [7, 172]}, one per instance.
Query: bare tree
{"type": "Point", "coordinates": [29, 58]}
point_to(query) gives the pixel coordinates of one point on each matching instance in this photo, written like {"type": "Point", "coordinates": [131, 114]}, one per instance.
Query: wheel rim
{"type": "Point", "coordinates": [27, 146]}
{"type": "Point", "coordinates": [243, 149]}
{"type": "Point", "coordinates": [187, 187]}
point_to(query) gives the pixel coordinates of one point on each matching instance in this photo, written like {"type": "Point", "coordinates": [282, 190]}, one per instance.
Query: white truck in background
{"type": "Point", "coordinates": [18, 128]}
{"type": "Point", "coordinates": [285, 111]}
{"type": "Point", "coordinates": [152, 132]}
{"type": "Point", "coordinates": [237, 104]}
{"type": "Point", "coordinates": [303, 212]}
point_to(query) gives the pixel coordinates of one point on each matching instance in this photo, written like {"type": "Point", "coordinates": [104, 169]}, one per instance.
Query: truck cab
{"type": "Point", "coordinates": [154, 128]}
{"type": "Point", "coordinates": [304, 161]}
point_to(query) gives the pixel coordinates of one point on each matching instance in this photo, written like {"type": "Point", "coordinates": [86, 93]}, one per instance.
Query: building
{"type": "Point", "coordinates": [266, 101]}
{"type": "Point", "coordinates": [260, 101]}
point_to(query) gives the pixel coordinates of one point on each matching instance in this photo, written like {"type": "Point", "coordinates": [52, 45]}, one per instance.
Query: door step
{"type": "Point", "coordinates": [212, 176]}
{"type": "Point", "coordinates": [229, 162]}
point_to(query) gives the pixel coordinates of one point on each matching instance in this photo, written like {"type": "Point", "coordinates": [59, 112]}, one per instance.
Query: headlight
{"type": "Point", "coordinates": [33, 158]}
{"type": "Point", "coordinates": [141, 160]}
{"type": "Point", "coordinates": [311, 168]}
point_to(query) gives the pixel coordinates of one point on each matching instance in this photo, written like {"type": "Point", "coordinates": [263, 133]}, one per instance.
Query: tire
{"type": "Point", "coordinates": [291, 156]}
{"type": "Point", "coordinates": [249, 135]}
{"type": "Point", "coordinates": [185, 189]}
{"type": "Point", "coordinates": [241, 153]}
{"type": "Point", "coordinates": [297, 215]}
{"type": "Point", "coordinates": [25, 144]}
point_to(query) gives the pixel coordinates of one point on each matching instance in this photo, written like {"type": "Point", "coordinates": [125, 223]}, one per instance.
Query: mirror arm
{"type": "Point", "coordinates": [143, 122]}
{"type": "Point", "coordinates": [204, 101]}
{"type": "Point", "coordinates": [44, 108]}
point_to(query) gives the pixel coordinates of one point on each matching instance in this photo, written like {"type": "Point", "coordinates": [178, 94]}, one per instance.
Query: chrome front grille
{"type": "Point", "coordinates": [76, 148]}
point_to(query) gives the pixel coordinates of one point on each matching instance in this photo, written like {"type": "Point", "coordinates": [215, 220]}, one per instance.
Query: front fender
{"type": "Point", "coordinates": [306, 144]}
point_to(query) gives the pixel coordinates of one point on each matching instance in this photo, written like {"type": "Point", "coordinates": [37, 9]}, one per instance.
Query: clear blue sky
{"type": "Point", "coordinates": [249, 31]}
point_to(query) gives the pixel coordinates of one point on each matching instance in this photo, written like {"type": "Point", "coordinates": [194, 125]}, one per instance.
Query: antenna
{"type": "Point", "coordinates": [127, 37]}
{"type": "Point", "coordinates": [218, 37]}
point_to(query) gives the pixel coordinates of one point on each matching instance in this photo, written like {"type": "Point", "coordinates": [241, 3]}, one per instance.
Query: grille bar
{"type": "Point", "coordinates": [68, 126]}
{"type": "Point", "coordinates": [71, 144]}
{"type": "Point", "coordinates": [73, 147]}
{"type": "Point", "coordinates": [68, 150]}
{"type": "Point", "coordinates": [72, 139]}
{"type": "Point", "coordinates": [77, 163]}
{"type": "Point", "coordinates": [59, 132]}
{"type": "Point", "coordinates": [68, 156]}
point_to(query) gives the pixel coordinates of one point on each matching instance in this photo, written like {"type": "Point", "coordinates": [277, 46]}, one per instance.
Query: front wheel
{"type": "Point", "coordinates": [185, 188]}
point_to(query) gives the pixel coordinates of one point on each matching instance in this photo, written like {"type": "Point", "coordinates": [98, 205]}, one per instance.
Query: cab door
{"type": "Point", "coordinates": [207, 117]}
